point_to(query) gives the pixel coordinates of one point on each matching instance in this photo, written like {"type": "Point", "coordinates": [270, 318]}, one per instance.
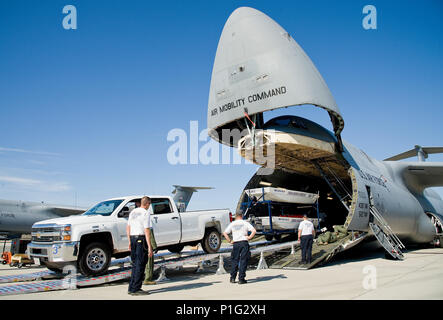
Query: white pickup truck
{"type": "Point", "coordinates": [90, 240]}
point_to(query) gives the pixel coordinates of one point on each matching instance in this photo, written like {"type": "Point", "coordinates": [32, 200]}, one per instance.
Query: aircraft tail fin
{"type": "Point", "coordinates": [419, 151]}
{"type": "Point", "coordinates": [183, 194]}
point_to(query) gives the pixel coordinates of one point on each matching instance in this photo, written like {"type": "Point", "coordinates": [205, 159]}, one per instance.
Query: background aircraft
{"type": "Point", "coordinates": [17, 217]}
{"type": "Point", "coordinates": [259, 67]}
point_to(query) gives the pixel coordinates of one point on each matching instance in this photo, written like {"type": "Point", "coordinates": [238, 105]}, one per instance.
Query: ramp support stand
{"type": "Point", "coordinates": [162, 277]}
{"type": "Point", "coordinates": [293, 249]}
{"type": "Point", "coordinates": [262, 263]}
{"type": "Point", "coordinates": [221, 268]}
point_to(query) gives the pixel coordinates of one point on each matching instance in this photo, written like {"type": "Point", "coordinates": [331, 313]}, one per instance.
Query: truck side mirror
{"type": "Point", "coordinates": [124, 213]}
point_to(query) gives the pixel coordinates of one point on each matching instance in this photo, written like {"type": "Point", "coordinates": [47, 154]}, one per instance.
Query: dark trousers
{"type": "Point", "coordinates": [239, 257]}
{"type": "Point", "coordinates": [306, 248]}
{"type": "Point", "coordinates": [139, 258]}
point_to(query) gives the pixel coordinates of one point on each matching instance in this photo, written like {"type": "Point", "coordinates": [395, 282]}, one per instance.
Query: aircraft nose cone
{"type": "Point", "coordinates": [242, 13]}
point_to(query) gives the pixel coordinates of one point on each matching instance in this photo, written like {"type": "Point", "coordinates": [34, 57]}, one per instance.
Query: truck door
{"type": "Point", "coordinates": [165, 222]}
{"type": "Point", "coordinates": [122, 222]}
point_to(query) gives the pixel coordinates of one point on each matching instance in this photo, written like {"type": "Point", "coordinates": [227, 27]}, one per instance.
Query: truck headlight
{"type": "Point", "coordinates": [65, 233]}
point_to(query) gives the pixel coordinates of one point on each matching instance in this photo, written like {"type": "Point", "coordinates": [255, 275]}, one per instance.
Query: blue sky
{"type": "Point", "coordinates": [85, 113]}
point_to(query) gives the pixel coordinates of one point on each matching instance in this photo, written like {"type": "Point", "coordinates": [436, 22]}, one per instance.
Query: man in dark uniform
{"type": "Point", "coordinates": [240, 252]}
{"type": "Point", "coordinates": [306, 233]}
{"type": "Point", "coordinates": [138, 232]}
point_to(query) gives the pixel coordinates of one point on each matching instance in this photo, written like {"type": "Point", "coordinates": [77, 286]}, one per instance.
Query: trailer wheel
{"type": "Point", "coordinates": [20, 265]}
{"type": "Point", "coordinates": [94, 259]}
{"type": "Point", "coordinates": [176, 248]}
{"type": "Point", "coordinates": [211, 241]}
{"type": "Point", "coordinates": [269, 237]}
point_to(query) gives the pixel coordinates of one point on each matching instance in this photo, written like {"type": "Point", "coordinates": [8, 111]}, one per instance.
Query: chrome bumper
{"type": "Point", "coordinates": [54, 252]}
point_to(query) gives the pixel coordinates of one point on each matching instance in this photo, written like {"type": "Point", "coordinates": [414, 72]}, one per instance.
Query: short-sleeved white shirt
{"type": "Point", "coordinates": [306, 227]}
{"type": "Point", "coordinates": [239, 229]}
{"type": "Point", "coordinates": [139, 220]}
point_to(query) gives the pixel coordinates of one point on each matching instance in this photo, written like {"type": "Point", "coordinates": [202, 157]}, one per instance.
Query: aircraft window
{"type": "Point", "coordinates": [161, 206]}
{"type": "Point", "coordinates": [298, 123]}
{"type": "Point", "coordinates": [287, 122]}
{"type": "Point", "coordinates": [105, 208]}
{"type": "Point", "coordinates": [282, 122]}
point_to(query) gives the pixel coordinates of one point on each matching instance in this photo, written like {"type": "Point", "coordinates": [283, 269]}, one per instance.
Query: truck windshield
{"type": "Point", "coordinates": [104, 208]}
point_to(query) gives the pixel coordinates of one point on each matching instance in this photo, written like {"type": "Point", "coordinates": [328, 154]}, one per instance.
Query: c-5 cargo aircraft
{"type": "Point", "coordinates": [259, 67]}
{"type": "Point", "coordinates": [17, 217]}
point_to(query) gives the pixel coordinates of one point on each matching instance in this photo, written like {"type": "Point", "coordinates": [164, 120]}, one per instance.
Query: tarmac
{"type": "Point", "coordinates": [361, 273]}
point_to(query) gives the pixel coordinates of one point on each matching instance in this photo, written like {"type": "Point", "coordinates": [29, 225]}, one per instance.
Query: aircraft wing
{"type": "Point", "coordinates": [422, 175]}
{"type": "Point", "coordinates": [65, 211]}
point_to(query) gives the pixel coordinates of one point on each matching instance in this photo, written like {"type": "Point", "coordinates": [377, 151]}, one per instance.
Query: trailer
{"type": "Point", "coordinates": [277, 211]}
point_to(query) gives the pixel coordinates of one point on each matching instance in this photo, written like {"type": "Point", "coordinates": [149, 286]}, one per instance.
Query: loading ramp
{"type": "Point", "coordinates": [320, 253]}
{"type": "Point", "coordinates": [46, 280]}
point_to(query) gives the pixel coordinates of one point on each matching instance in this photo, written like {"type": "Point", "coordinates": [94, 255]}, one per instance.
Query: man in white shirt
{"type": "Point", "coordinates": [138, 232]}
{"type": "Point", "coordinates": [240, 252]}
{"type": "Point", "coordinates": [306, 233]}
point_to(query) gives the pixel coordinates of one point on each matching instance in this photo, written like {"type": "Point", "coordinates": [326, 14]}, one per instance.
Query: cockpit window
{"type": "Point", "coordinates": [286, 121]}
{"type": "Point", "coordinates": [105, 208]}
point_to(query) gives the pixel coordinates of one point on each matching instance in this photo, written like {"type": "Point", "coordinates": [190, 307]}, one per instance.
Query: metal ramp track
{"type": "Point", "coordinates": [74, 281]}
{"type": "Point", "coordinates": [384, 234]}
{"type": "Point", "coordinates": [26, 277]}
{"type": "Point", "coordinates": [320, 253]}
{"type": "Point", "coordinates": [65, 284]}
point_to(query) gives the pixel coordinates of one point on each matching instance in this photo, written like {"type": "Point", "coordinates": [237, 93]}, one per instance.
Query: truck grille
{"type": "Point", "coordinates": [45, 234]}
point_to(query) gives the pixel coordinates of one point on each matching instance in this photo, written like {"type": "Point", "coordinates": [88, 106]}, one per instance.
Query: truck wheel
{"type": "Point", "coordinates": [211, 241]}
{"type": "Point", "coordinates": [269, 237]}
{"type": "Point", "coordinates": [176, 248]}
{"type": "Point", "coordinates": [4, 262]}
{"type": "Point", "coordinates": [95, 259]}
